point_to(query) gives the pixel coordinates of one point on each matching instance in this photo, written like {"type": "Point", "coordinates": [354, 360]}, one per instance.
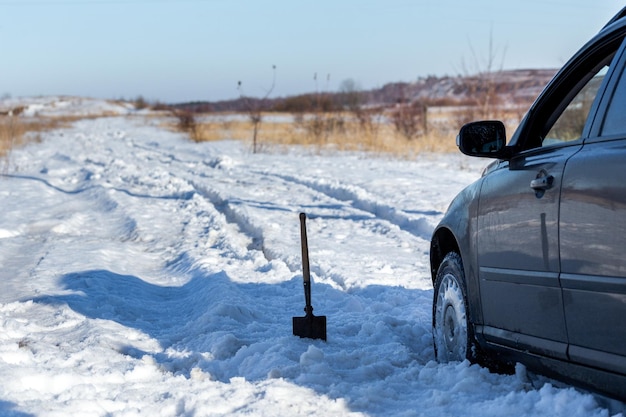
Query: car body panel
{"type": "Point", "coordinates": [593, 261]}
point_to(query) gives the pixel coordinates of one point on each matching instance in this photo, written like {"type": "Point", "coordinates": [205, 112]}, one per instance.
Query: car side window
{"type": "Point", "coordinates": [615, 119]}
{"type": "Point", "coordinates": [570, 124]}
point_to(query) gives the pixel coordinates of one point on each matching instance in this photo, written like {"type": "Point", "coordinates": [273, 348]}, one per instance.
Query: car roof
{"type": "Point", "coordinates": [621, 14]}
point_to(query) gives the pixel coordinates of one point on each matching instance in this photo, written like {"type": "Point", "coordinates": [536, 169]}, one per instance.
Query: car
{"type": "Point", "coordinates": [529, 262]}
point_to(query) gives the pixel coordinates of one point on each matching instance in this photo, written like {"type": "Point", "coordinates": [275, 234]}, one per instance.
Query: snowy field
{"type": "Point", "coordinates": [143, 274]}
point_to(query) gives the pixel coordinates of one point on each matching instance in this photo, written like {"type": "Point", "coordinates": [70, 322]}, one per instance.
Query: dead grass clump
{"type": "Point", "coordinates": [225, 130]}
{"type": "Point", "coordinates": [11, 133]}
{"type": "Point", "coordinates": [186, 123]}
{"type": "Point", "coordinates": [17, 130]}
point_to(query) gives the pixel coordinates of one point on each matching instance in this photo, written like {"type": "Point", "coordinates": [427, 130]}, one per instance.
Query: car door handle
{"type": "Point", "coordinates": [542, 183]}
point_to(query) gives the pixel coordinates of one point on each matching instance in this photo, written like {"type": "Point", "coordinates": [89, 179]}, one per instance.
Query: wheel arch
{"type": "Point", "coordinates": [442, 242]}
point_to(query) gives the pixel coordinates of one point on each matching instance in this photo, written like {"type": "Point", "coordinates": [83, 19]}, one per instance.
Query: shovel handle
{"type": "Point", "coordinates": [306, 271]}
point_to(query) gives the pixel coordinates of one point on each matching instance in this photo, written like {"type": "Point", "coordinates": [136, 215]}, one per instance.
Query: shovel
{"type": "Point", "coordinates": [310, 326]}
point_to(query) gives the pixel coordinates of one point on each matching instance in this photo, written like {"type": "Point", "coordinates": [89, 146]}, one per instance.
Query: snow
{"type": "Point", "coordinates": [59, 106]}
{"type": "Point", "coordinates": [143, 274]}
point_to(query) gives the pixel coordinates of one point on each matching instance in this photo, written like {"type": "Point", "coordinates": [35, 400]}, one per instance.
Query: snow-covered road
{"type": "Point", "coordinates": [143, 274]}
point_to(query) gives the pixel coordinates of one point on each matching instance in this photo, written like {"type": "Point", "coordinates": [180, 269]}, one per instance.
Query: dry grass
{"type": "Point", "coordinates": [11, 133]}
{"type": "Point", "coordinates": [350, 136]}
{"type": "Point", "coordinates": [319, 132]}
{"type": "Point", "coordinates": [17, 130]}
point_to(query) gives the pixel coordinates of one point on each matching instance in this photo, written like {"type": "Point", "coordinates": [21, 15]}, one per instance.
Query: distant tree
{"type": "Point", "coordinates": [140, 103]}
{"type": "Point", "coordinates": [254, 108]}
{"type": "Point", "coordinates": [353, 100]}
{"type": "Point", "coordinates": [305, 103]}
{"type": "Point", "coordinates": [350, 95]}
{"type": "Point", "coordinates": [302, 103]}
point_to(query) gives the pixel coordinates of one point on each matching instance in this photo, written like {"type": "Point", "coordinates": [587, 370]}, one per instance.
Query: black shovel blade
{"type": "Point", "coordinates": [310, 326]}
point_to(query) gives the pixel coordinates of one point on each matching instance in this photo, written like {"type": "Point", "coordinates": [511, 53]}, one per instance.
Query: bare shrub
{"type": "Point", "coordinates": [321, 126]}
{"type": "Point", "coordinates": [483, 101]}
{"type": "Point", "coordinates": [370, 122]}
{"type": "Point", "coordinates": [186, 122]}
{"type": "Point", "coordinates": [353, 100]}
{"type": "Point", "coordinates": [254, 108]}
{"type": "Point", "coordinates": [140, 103]}
{"type": "Point", "coordinates": [409, 119]}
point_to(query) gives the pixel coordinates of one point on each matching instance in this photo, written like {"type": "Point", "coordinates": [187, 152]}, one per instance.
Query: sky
{"type": "Point", "coordinates": [187, 50]}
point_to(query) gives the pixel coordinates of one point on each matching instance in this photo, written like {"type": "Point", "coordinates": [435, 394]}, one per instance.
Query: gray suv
{"type": "Point", "coordinates": [529, 262]}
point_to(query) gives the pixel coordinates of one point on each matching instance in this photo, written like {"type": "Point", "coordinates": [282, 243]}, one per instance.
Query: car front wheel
{"type": "Point", "coordinates": [452, 333]}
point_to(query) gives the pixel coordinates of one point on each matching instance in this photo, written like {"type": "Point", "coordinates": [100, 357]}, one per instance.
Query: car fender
{"type": "Point", "coordinates": [457, 232]}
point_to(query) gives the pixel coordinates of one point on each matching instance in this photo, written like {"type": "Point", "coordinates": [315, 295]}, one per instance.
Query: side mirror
{"type": "Point", "coordinates": [486, 139]}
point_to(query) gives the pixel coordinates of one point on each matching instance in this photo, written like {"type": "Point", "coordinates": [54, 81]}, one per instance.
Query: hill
{"type": "Point", "coordinates": [508, 87]}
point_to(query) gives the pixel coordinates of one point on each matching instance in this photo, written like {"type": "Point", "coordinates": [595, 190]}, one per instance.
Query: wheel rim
{"type": "Point", "coordinates": [450, 328]}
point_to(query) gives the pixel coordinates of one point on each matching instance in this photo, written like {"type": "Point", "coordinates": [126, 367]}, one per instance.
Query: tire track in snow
{"type": "Point", "coordinates": [362, 200]}
{"type": "Point", "coordinates": [234, 216]}
{"type": "Point", "coordinates": [183, 168]}
{"type": "Point", "coordinates": [234, 210]}
{"type": "Point", "coordinates": [310, 194]}
{"type": "Point", "coordinates": [231, 207]}
{"type": "Point", "coordinates": [212, 179]}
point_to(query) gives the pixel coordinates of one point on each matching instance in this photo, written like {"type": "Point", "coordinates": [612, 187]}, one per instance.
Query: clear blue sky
{"type": "Point", "coordinates": [181, 50]}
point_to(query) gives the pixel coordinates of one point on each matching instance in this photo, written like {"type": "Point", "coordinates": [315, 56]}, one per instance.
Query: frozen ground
{"type": "Point", "coordinates": [142, 274]}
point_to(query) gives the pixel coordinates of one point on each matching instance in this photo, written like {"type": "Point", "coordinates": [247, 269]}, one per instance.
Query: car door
{"type": "Point", "coordinates": [518, 215]}
{"type": "Point", "coordinates": [518, 252]}
{"type": "Point", "coordinates": [593, 239]}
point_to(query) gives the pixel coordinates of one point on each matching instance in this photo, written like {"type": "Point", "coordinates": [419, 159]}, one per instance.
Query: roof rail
{"type": "Point", "coordinates": [618, 16]}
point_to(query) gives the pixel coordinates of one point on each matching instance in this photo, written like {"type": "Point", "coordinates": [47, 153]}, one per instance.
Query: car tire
{"type": "Point", "coordinates": [453, 334]}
